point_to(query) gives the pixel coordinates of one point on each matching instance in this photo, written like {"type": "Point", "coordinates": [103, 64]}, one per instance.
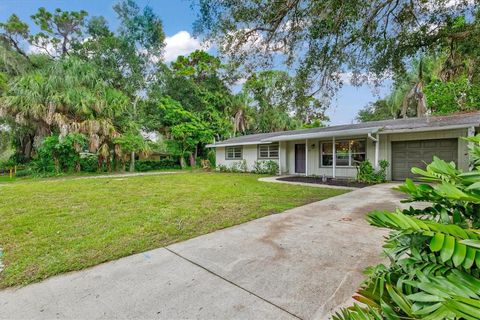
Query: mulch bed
{"type": "Point", "coordinates": [330, 181]}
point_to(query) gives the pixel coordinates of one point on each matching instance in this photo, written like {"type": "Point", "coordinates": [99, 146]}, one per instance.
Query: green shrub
{"type": "Point", "coordinates": [58, 155]}
{"type": "Point", "coordinates": [434, 270]}
{"type": "Point", "coordinates": [23, 173]}
{"type": "Point", "coordinates": [211, 157]}
{"type": "Point", "coordinates": [222, 168]}
{"type": "Point", "coordinates": [366, 173]}
{"type": "Point", "coordinates": [266, 167]}
{"type": "Point", "coordinates": [89, 163]}
{"type": "Point", "coordinates": [9, 163]}
{"type": "Point", "coordinates": [236, 167]}
{"type": "Point", "coordinates": [149, 165]}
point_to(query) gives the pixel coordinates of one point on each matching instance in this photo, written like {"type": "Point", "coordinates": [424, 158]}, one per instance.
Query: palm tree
{"type": "Point", "coordinates": [416, 95]}
{"type": "Point", "coordinates": [67, 96]}
{"type": "Point", "coordinates": [408, 98]}
{"type": "Point", "coordinates": [239, 112]}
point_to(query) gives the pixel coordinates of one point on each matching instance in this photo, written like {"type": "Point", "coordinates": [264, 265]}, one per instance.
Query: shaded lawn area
{"type": "Point", "coordinates": [49, 227]}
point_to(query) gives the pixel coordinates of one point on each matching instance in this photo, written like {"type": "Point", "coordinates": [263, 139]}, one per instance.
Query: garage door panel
{"type": "Point", "coordinates": [418, 153]}
{"type": "Point", "coordinates": [445, 143]}
{"type": "Point", "coordinates": [414, 144]}
{"type": "Point", "coordinates": [431, 144]}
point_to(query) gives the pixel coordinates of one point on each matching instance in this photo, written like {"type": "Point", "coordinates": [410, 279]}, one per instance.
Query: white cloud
{"type": "Point", "coordinates": [181, 43]}
{"type": "Point", "coordinates": [48, 49]}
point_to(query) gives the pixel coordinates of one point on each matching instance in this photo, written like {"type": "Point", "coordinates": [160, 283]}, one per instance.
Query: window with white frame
{"type": "Point", "coordinates": [268, 151]}
{"type": "Point", "coordinates": [233, 153]}
{"type": "Point", "coordinates": [349, 153]}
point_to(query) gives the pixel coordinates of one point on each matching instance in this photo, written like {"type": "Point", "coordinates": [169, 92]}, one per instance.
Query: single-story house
{"type": "Point", "coordinates": [336, 150]}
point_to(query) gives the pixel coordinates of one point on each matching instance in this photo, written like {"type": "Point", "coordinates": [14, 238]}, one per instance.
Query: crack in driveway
{"type": "Point", "coordinates": [233, 283]}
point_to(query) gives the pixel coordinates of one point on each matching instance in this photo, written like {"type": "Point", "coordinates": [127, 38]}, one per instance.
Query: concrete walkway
{"type": "Point", "coordinates": [314, 185]}
{"type": "Point", "coordinates": [296, 265]}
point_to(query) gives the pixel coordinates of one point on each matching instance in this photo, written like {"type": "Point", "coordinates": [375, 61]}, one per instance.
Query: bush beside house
{"type": "Point", "coordinates": [260, 167]}
{"type": "Point", "coordinates": [434, 253]}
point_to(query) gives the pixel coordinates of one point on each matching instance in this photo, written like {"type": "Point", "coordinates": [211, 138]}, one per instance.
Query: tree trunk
{"type": "Point", "coordinates": [132, 162]}
{"type": "Point", "coordinates": [192, 160]}
{"type": "Point", "coordinates": [99, 163]}
{"type": "Point", "coordinates": [182, 162]}
{"type": "Point", "coordinates": [27, 144]}
{"type": "Point", "coordinates": [57, 165]}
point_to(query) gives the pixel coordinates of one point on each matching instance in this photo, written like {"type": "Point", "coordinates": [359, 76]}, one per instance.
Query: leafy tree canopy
{"type": "Point", "coordinates": [378, 110]}
{"type": "Point", "coordinates": [320, 39]}
{"type": "Point", "coordinates": [276, 103]}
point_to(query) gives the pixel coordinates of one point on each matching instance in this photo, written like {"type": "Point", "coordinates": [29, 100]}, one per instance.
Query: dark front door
{"type": "Point", "coordinates": [300, 158]}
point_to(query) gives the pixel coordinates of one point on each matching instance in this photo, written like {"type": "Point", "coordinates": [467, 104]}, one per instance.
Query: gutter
{"type": "Point", "coordinates": [215, 145]}
{"type": "Point", "coordinates": [424, 129]}
{"type": "Point", "coordinates": [327, 134]}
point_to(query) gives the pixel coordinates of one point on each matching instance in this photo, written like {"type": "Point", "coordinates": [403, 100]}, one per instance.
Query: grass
{"type": "Point", "coordinates": [49, 226]}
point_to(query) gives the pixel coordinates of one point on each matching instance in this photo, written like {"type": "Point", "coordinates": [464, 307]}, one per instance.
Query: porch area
{"type": "Point", "coordinates": [331, 156]}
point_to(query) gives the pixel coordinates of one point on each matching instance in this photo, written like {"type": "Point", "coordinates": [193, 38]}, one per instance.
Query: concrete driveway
{"type": "Point", "coordinates": [296, 265]}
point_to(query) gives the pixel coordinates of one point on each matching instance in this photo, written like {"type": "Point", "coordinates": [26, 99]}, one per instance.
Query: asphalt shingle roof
{"type": "Point", "coordinates": [472, 118]}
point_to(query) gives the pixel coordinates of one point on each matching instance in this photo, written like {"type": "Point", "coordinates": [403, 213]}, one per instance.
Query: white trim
{"type": "Point", "coordinates": [236, 144]}
{"type": "Point", "coordinates": [377, 150]}
{"type": "Point", "coordinates": [425, 129]}
{"type": "Point", "coordinates": [350, 154]}
{"type": "Point", "coordinates": [327, 134]}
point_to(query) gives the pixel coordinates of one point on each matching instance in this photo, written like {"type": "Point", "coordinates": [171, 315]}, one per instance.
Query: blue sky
{"type": "Point", "coordinates": [178, 17]}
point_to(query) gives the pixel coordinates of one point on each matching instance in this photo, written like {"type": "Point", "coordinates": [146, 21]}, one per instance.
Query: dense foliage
{"type": "Point", "coordinates": [326, 39]}
{"type": "Point", "coordinates": [67, 73]}
{"type": "Point", "coordinates": [434, 270]}
{"type": "Point", "coordinates": [149, 165]}
{"type": "Point", "coordinates": [441, 81]}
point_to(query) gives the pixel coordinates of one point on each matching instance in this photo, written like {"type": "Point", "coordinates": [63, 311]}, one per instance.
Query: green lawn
{"type": "Point", "coordinates": [53, 226]}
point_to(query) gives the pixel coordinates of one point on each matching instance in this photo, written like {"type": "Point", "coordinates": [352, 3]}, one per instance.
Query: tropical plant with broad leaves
{"type": "Point", "coordinates": [434, 253]}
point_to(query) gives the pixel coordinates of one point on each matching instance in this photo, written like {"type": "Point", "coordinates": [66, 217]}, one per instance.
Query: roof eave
{"type": "Point", "coordinates": [435, 128]}
{"type": "Point", "coordinates": [216, 145]}
{"type": "Point", "coordinates": [328, 134]}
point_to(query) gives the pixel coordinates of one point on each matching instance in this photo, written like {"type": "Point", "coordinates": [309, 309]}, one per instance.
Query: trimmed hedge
{"type": "Point", "coordinates": [149, 165]}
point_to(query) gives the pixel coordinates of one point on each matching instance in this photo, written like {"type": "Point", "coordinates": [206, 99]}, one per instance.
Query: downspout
{"type": "Point", "coordinates": [334, 163]}
{"type": "Point", "coordinates": [376, 142]}
{"type": "Point", "coordinates": [470, 133]}
{"type": "Point", "coordinates": [306, 157]}
{"type": "Point", "coordinates": [279, 158]}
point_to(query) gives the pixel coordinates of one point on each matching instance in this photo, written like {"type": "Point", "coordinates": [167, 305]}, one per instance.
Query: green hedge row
{"type": "Point", "coordinates": [148, 165]}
